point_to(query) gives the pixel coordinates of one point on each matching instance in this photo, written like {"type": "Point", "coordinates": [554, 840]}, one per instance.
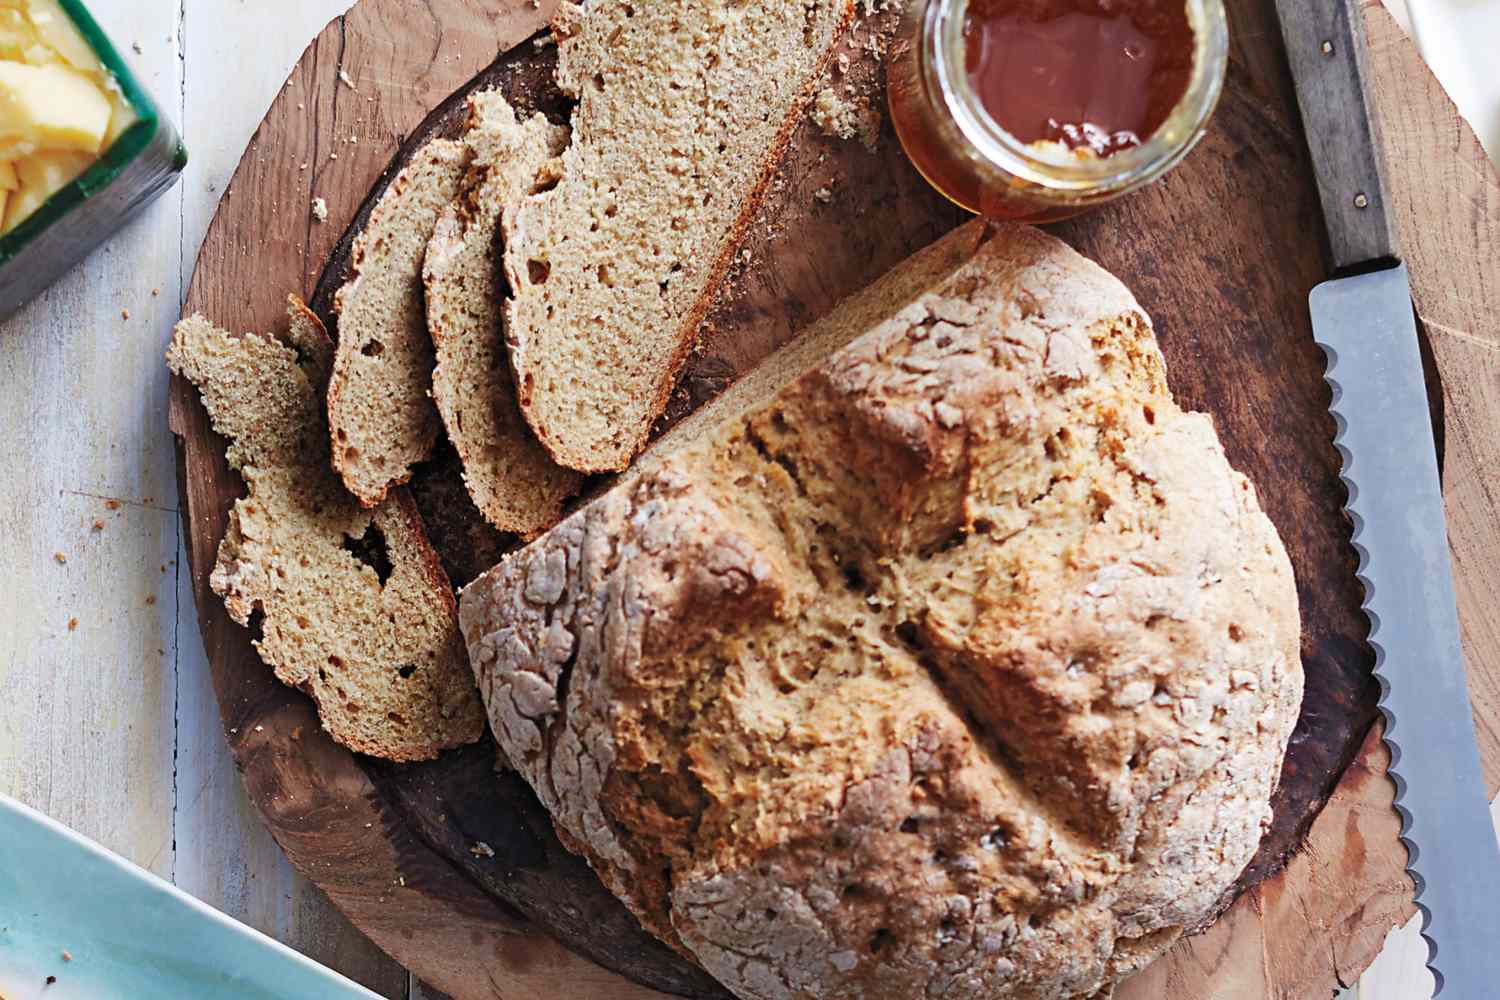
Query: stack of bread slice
{"type": "Point", "coordinates": [351, 604]}
{"type": "Point", "coordinates": [530, 289]}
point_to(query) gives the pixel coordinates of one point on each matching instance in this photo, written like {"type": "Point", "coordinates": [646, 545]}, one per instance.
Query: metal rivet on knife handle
{"type": "Point", "coordinates": [1325, 49]}
{"type": "Point", "coordinates": [1360, 201]}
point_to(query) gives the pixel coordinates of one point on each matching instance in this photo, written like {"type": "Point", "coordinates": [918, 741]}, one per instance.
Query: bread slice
{"type": "Point", "coordinates": [684, 111]}
{"type": "Point", "coordinates": [513, 481]}
{"type": "Point", "coordinates": [379, 409]}
{"type": "Point", "coordinates": [352, 604]}
{"type": "Point", "coordinates": [943, 655]}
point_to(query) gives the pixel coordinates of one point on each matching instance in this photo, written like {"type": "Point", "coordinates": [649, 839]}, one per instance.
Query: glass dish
{"type": "Point", "coordinates": [965, 154]}
{"type": "Point", "coordinates": [141, 163]}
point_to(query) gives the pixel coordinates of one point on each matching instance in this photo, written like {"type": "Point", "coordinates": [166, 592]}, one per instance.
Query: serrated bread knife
{"type": "Point", "coordinates": [1365, 325]}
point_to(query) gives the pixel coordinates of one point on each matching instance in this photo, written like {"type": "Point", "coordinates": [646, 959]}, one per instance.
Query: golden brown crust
{"type": "Point", "coordinates": [957, 662]}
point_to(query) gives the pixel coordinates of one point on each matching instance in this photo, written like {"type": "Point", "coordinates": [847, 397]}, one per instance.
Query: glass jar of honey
{"type": "Point", "coordinates": [1034, 110]}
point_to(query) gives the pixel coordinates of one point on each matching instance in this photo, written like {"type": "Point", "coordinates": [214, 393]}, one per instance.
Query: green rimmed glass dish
{"type": "Point", "coordinates": [136, 168]}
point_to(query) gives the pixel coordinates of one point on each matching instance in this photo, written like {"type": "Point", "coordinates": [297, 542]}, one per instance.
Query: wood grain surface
{"type": "Point", "coordinates": [1221, 254]}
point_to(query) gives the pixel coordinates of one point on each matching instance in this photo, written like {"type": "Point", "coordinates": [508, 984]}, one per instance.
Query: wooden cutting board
{"type": "Point", "coordinates": [455, 871]}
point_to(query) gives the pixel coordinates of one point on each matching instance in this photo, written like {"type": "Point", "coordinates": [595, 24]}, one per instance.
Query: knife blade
{"type": "Point", "coordinates": [1365, 325]}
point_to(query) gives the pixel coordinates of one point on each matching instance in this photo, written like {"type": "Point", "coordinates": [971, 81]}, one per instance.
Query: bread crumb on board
{"type": "Point", "coordinates": [320, 209]}
{"type": "Point", "coordinates": [61, 559]}
{"type": "Point", "coordinates": [842, 118]}
{"type": "Point", "coordinates": [72, 624]}
{"type": "Point", "coordinates": [98, 524]}
{"type": "Point", "coordinates": [111, 504]}
{"type": "Point", "coordinates": [344, 79]}
{"type": "Point", "coordinates": [481, 850]}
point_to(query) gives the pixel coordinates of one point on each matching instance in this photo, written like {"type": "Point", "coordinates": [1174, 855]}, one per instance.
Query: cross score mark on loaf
{"type": "Point", "coordinates": [942, 655]}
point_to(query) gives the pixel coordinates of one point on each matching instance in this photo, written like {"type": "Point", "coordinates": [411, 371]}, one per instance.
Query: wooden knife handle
{"type": "Point", "coordinates": [1325, 45]}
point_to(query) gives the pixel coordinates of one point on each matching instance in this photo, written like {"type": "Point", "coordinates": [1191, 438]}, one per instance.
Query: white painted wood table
{"type": "Point", "coordinates": [107, 717]}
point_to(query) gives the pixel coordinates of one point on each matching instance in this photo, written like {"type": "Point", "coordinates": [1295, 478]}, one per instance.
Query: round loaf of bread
{"type": "Point", "coordinates": [943, 656]}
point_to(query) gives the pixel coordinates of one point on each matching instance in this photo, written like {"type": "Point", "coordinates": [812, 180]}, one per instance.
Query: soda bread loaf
{"type": "Point", "coordinates": [941, 656]}
{"type": "Point", "coordinates": [514, 483]}
{"type": "Point", "coordinates": [379, 410]}
{"type": "Point", "coordinates": [353, 605]}
{"type": "Point", "coordinates": [684, 109]}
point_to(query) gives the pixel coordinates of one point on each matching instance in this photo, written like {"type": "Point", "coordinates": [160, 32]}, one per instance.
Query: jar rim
{"type": "Point", "coordinates": [1054, 167]}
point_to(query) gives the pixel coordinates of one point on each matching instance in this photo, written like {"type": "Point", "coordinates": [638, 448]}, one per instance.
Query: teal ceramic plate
{"type": "Point", "coordinates": [127, 933]}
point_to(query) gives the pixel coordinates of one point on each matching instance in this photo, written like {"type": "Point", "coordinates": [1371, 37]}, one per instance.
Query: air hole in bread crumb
{"type": "Point", "coordinates": [373, 349]}
{"type": "Point", "coordinates": [854, 578]}
{"type": "Point", "coordinates": [598, 81]}
{"type": "Point", "coordinates": [950, 543]}
{"type": "Point", "coordinates": [995, 840]}
{"type": "Point", "coordinates": [772, 914]}
{"type": "Point", "coordinates": [1134, 761]}
{"type": "Point", "coordinates": [396, 718]}
{"type": "Point", "coordinates": [1149, 414]}
{"type": "Point", "coordinates": [1155, 620]}
{"type": "Point", "coordinates": [370, 549]}
{"type": "Point", "coordinates": [1100, 502]}
{"type": "Point", "coordinates": [407, 670]}
{"type": "Point", "coordinates": [910, 637]}
{"type": "Point", "coordinates": [605, 278]}
{"type": "Point", "coordinates": [335, 663]}
{"type": "Point", "coordinates": [611, 210]}
{"type": "Point", "coordinates": [1236, 634]}
{"type": "Point", "coordinates": [910, 825]}
{"type": "Point", "coordinates": [538, 271]}
{"type": "Point", "coordinates": [880, 939]}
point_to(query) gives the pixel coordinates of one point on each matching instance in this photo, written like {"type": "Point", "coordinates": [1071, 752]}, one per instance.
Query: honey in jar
{"type": "Point", "coordinates": [1036, 109]}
